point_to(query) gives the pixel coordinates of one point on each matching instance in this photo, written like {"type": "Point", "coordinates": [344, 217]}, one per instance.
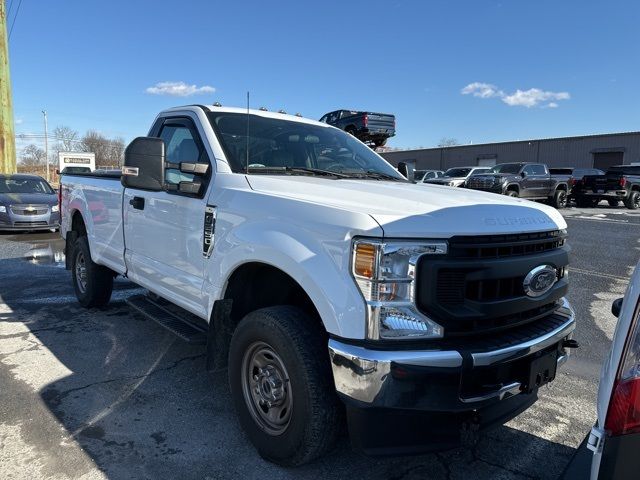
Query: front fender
{"type": "Point", "coordinates": [317, 263]}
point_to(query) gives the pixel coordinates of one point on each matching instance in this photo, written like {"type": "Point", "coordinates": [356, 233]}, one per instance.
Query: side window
{"type": "Point", "coordinates": [181, 146]}
{"type": "Point", "coordinates": [528, 170]}
{"type": "Point", "coordinates": [324, 119]}
{"type": "Point", "coordinates": [539, 169]}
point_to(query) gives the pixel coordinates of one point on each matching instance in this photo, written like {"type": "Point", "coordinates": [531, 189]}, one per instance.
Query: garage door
{"type": "Point", "coordinates": [604, 160]}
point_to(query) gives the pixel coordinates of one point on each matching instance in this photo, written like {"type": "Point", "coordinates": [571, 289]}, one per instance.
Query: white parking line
{"type": "Point", "coordinates": [597, 274]}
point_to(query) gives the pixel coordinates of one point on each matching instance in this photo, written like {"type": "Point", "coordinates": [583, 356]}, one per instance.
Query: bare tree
{"type": "Point", "coordinates": [116, 151]}
{"type": "Point", "coordinates": [448, 142]}
{"type": "Point", "coordinates": [32, 155]}
{"type": "Point", "coordinates": [67, 139]}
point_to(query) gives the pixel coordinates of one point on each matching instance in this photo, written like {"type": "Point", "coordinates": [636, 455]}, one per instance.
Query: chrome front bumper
{"type": "Point", "coordinates": [370, 377]}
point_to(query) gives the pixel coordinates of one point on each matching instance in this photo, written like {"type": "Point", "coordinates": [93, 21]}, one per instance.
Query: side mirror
{"type": "Point", "coordinates": [406, 170]}
{"type": "Point", "coordinates": [144, 164]}
{"type": "Point", "coordinates": [523, 174]}
{"type": "Point", "coordinates": [616, 307]}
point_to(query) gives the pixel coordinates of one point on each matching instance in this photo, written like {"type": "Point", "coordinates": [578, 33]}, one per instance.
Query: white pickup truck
{"type": "Point", "coordinates": [323, 279]}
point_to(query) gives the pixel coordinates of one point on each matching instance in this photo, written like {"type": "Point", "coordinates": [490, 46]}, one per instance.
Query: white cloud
{"type": "Point", "coordinates": [482, 90]}
{"type": "Point", "coordinates": [178, 89]}
{"type": "Point", "coordinates": [18, 121]}
{"type": "Point", "coordinates": [533, 97]}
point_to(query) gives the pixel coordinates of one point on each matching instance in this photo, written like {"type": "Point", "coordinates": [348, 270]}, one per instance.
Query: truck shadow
{"type": "Point", "coordinates": [135, 402]}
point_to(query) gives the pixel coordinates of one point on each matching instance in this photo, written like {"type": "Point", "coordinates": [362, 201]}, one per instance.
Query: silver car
{"type": "Point", "coordinates": [27, 202]}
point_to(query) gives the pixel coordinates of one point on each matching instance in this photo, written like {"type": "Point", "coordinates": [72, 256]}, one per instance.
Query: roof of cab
{"type": "Point", "coordinates": [262, 113]}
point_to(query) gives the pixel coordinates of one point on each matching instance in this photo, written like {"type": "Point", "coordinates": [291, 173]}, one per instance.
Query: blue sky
{"type": "Point", "coordinates": [532, 69]}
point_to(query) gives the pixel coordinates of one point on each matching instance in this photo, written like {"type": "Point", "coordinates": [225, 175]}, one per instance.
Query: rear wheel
{"type": "Point", "coordinates": [281, 385]}
{"type": "Point", "coordinates": [559, 199]}
{"type": "Point", "coordinates": [633, 201]}
{"type": "Point", "coordinates": [613, 202]}
{"type": "Point", "coordinates": [380, 142]}
{"type": "Point", "coordinates": [92, 283]}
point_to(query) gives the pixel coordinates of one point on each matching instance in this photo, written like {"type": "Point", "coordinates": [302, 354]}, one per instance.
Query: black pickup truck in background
{"type": "Point", "coordinates": [575, 176]}
{"type": "Point", "coordinates": [525, 180]}
{"type": "Point", "coordinates": [368, 127]}
{"type": "Point", "coordinates": [620, 184]}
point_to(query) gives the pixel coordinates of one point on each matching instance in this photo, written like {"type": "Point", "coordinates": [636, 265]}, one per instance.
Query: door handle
{"type": "Point", "coordinates": [137, 203]}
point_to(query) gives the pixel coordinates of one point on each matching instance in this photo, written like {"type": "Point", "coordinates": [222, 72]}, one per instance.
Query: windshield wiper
{"type": "Point", "coordinates": [381, 176]}
{"type": "Point", "coordinates": [302, 170]}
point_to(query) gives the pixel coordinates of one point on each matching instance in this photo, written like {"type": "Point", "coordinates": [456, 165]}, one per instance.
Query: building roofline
{"type": "Point", "coordinates": [515, 141]}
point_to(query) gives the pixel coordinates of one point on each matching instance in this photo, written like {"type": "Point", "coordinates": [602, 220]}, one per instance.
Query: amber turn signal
{"type": "Point", "coordinates": [365, 258]}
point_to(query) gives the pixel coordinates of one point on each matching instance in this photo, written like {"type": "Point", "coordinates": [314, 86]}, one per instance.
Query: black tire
{"type": "Point", "coordinates": [380, 142]}
{"type": "Point", "coordinates": [632, 202]}
{"type": "Point", "coordinates": [613, 202]}
{"type": "Point", "coordinates": [299, 352]}
{"type": "Point", "coordinates": [512, 193]}
{"type": "Point", "coordinates": [92, 283]}
{"type": "Point", "coordinates": [559, 199]}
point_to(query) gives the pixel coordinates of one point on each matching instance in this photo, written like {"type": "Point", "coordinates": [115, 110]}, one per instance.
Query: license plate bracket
{"type": "Point", "coordinates": [542, 370]}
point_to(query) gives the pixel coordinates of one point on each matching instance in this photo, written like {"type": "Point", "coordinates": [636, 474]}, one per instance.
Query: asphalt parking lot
{"type": "Point", "coordinates": [90, 394]}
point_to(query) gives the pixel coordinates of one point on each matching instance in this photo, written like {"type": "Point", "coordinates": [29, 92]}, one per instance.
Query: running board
{"type": "Point", "coordinates": [175, 319]}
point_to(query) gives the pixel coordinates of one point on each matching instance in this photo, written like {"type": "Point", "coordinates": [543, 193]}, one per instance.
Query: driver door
{"type": "Point", "coordinates": [164, 230]}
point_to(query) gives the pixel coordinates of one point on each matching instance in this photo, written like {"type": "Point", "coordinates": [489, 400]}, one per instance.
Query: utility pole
{"type": "Point", "coordinates": [7, 140]}
{"type": "Point", "coordinates": [46, 144]}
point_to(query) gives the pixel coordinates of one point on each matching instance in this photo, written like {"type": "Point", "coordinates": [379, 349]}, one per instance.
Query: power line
{"type": "Point", "coordinates": [14, 18]}
{"type": "Point", "coordinates": [8, 11]}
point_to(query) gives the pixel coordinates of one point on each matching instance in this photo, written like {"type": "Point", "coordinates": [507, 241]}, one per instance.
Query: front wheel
{"type": "Point", "coordinates": [613, 202]}
{"type": "Point", "coordinates": [512, 193]}
{"type": "Point", "coordinates": [559, 199]}
{"type": "Point", "coordinates": [633, 201]}
{"type": "Point", "coordinates": [92, 283]}
{"type": "Point", "coordinates": [281, 385]}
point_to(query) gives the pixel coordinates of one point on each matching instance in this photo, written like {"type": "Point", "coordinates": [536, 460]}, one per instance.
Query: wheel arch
{"type": "Point", "coordinates": [251, 286]}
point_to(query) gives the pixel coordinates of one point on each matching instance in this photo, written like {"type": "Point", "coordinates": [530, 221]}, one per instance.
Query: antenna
{"type": "Point", "coordinates": [247, 149]}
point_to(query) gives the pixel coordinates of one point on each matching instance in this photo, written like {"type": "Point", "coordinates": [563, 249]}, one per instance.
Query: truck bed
{"type": "Point", "coordinates": [100, 194]}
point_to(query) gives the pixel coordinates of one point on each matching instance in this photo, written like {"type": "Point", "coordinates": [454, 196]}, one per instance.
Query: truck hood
{"type": "Point", "coordinates": [406, 210]}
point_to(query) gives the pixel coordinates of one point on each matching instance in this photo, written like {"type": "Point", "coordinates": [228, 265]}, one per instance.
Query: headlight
{"type": "Point", "coordinates": [385, 274]}
{"type": "Point", "coordinates": [3, 209]}
{"type": "Point", "coordinates": [55, 208]}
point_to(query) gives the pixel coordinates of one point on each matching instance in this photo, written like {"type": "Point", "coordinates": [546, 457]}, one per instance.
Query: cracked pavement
{"type": "Point", "coordinates": [94, 394]}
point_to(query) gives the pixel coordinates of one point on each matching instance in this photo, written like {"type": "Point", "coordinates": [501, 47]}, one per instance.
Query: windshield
{"type": "Point", "coordinates": [457, 172]}
{"type": "Point", "coordinates": [24, 185]}
{"type": "Point", "coordinates": [507, 168]}
{"type": "Point", "coordinates": [276, 146]}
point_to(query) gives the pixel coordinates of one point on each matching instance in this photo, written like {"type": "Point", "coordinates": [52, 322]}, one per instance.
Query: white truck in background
{"type": "Point", "coordinates": [77, 162]}
{"type": "Point", "coordinates": [323, 279]}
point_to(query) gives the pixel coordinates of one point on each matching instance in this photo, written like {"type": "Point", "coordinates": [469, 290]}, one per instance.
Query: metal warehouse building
{"type": "Point", "coordinates": [599, 151]}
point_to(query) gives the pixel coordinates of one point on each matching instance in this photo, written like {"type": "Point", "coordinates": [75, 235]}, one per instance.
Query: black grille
{"type": "Point", "coordinates": [502, 246]}
{"type": "Point", "coordinates": [480, 182]}
{"type": "Point", "coordinates": [30, 224]}
{"type": "Point", "coordinates": [488, 290]}
{"type": "Point", "coordinates": [478, 286]}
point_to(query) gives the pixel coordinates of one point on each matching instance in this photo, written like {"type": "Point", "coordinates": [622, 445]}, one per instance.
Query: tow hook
{"type": "Point", "coordinates": [570, 343]}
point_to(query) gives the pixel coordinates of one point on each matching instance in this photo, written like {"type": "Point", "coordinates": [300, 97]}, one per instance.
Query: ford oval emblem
{"type": "Point", "coordinates": [540, 280]}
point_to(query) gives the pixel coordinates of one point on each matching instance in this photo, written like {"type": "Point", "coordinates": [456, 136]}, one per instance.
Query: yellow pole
{"type": "Point", "coordinates": [7, 139]}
